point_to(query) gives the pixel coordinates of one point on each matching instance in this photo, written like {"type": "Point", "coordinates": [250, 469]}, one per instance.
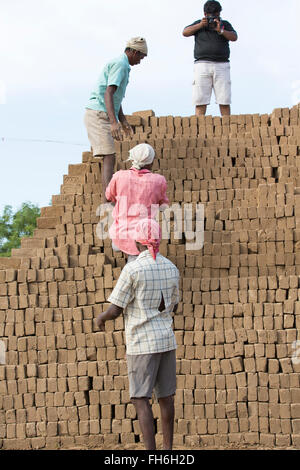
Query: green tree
{"type": "Point", "coordinates": [14, 226]}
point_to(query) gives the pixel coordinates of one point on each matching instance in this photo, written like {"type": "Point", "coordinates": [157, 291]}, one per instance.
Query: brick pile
{"type": "Point", "coordinates": [64, 383]}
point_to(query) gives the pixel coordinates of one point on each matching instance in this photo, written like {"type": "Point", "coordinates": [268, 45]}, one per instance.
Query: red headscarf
{"type": "Point", "coordinates": [148, 233]}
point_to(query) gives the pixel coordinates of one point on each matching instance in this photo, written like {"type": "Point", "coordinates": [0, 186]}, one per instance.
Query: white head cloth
{"type": "Point", "coordinates": [141, 155]}
{"type": "Point", "coordinates": [138, 44]}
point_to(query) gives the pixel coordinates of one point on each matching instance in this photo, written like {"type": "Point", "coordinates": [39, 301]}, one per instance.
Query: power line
{"type": "Point", "coordinates": [45, 141]}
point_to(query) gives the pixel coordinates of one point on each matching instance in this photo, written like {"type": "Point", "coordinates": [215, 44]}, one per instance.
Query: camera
{"type": "Point", "coordinates": [211, 22]}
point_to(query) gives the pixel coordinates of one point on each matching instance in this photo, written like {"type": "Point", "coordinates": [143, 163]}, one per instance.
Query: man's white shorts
{"type": "Point", "coordinates": [208, 76]}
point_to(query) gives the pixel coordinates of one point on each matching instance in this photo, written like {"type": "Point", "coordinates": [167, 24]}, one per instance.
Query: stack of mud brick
{"type": "Point", "coordinates": [63, 383]}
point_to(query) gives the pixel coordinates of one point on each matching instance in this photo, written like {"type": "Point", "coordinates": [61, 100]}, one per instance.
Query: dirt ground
{"type": "Point", "coordinates": [230, 447]}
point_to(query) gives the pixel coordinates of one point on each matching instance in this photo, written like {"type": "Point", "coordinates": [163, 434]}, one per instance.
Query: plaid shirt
{"type": "Point", "coordinates": [139, 291]}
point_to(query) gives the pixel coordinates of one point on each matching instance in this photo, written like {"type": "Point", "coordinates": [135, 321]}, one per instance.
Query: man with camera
{"type": "Point", "coordinates": [211, 52]}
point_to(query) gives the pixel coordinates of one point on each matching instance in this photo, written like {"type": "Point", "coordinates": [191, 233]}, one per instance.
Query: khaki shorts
{"type": "Point", "coordinates": [98, 128]}
{"type": "Point", "coordinates": [148, 372]}
{"type": "Point", "coordinates": [210, 76]}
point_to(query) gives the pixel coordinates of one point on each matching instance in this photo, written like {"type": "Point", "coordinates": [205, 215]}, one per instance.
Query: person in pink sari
{"type": "Point", "coordinates": [137, 194]}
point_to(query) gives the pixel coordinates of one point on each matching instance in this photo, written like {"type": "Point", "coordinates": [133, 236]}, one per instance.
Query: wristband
{"type": "Point", "coordinates": [222, 31]}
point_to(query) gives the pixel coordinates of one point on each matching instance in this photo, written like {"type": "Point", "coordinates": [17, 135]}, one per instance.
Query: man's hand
{"type": "Point", "coordinates": [229, 35]}
{"type": "Point", "coordinates": [219, 28]}
{"type": "Point", "coordinates": [111, 313]}
{"type": "Point", "coordinates": [127, 128]}
{"type": "Point", "coordinates": [116, 131]}
{"type": "Point", "coordinates": [100, 322]}
{"type": "Point", "coordinates": [193, 29]}
{"type": "Point", "coordinates": [204, 23]}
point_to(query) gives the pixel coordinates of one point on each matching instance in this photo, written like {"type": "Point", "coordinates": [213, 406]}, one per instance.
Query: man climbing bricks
{"type": "Point", "coordinates": [147, 292]}
{"type": "Point", "coordinates": [104, 118]}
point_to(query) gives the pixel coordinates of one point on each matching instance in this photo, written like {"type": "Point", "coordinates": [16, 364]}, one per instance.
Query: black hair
{"type": "Point", "coordinates": [212, 7]}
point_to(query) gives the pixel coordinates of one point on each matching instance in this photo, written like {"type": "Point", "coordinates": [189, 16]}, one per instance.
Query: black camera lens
{"type": "Point", "coordinates": [211, 20]}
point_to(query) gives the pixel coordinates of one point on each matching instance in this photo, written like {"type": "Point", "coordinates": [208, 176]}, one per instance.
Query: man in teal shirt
{"type": "Point", "coordinates": [104, 118]}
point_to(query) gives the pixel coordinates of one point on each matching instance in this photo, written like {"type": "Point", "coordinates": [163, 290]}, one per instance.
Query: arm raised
{"type": "Point", "coordinates": [194, 28]}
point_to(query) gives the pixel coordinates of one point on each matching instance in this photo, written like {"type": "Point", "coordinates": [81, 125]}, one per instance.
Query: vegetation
{"type": "Point", "coordinates": [14, 226]}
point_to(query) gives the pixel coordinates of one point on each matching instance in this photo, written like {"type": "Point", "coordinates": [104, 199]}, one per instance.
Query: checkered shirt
{"type": "Point", "coordinates": [139, 292]}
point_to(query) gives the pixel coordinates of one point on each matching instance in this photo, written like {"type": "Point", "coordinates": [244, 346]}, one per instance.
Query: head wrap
{"type": "Point", "coordinates": [141, 155]}
{"type": "Point", "coordinates": [138, 44]}
{"type": "Point", "coordinates": [148, 233]}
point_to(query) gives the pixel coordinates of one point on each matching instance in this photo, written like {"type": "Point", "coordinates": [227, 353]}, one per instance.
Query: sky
{"type": "Point", "coordinates": [52, 52]}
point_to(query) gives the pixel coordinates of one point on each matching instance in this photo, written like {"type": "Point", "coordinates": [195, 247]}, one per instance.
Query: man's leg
{"type": "Point", "coordinates": [202, 87]}
{"type": "Point", "coordinates": [107, 172]}
{"type": "Point", "coordinates": [222, 87]}
{"type": "Point", "coordinates": [167, 417]}
{"type": "Point", "coordinates": [225, 109]}
{"type": "Point", "coordinates": [201, 110]}
{"type": "Point", "coordinates": [146, 421]}
{"type": "Point", "coordinates": [165, 389]}
{"type": "Point", "coordinates": [102, 143]}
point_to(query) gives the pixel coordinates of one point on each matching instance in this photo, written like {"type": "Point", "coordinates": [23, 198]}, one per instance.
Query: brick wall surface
{"type": "Point", "coordinates": [64, 383]}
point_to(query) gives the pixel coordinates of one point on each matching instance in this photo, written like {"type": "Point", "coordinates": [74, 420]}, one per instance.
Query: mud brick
{"type": "Point", "coordinates": [52, 414]}
{"type": "Point", "coordinates": [296, 440]}
{"type": "Point", "coordinates": [285, 396]}
{"type": "Point", "coordinates": [80, 398]}
{"type": "Point", "coordinates": [188, 397]}
{"type": "Point", "coordinates": [115, 397]}
{"type": "Point", "coordinates": [275, 426]}
{"type": "Point", "coordinates": [108, 383]}
{"type": "Point", "coordinates": [84, 428]}
{"type": "Point", "coordinates": [294, 380]}
{"type": "Point", "coordinates": [221, 396]}
{"type": "Point", "coordinates": [231, 410]}
{"type": "Point", "coordinates": [282, 440]}
{"type": "Point", "coordinates": [273, 396]}
{"type": "Point", "coordinates": [92, 369]}
{"type": "Point", "coordinates": [295, 395]}
{"type": "Point", "coordinates": [263, 424]}
{"type": "Point", "coordinates": [226, 367]}
{"type": "Point", "coordinates": [3, 303]}
{"type": "Point", "coordinates": [105, 426]}
{"type": "Point", "coordinates": [72, 428]}
{"type": "Point", "coordinates": [286, 365]}
{"type": "Point", "coordinates": [295, 410]}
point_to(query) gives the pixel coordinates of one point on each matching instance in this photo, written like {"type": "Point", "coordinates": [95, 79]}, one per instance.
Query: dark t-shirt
{"type": "Point", "coordinates": [211, 46]}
